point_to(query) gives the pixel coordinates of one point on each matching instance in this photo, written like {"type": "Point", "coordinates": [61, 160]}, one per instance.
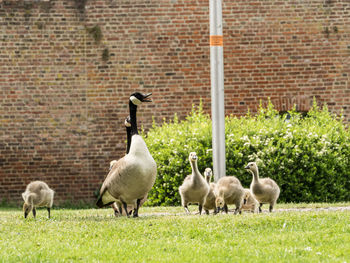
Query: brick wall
{"type": "Point", "coordinates": [64, 84]}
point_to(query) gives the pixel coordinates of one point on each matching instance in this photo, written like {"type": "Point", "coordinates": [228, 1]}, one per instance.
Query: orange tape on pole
{"type": "Point", "coordinates": [216, 41]}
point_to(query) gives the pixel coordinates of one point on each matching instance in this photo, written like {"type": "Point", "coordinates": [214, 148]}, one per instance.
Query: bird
{"type": "Point", "coordinates": [265, 190]}
{"type": "Point", "coordinates": [37, 194]}
{"type": "Point", "coordinates": [117, 206]}
{"type": "Point", "coordinates": [194, 189]}
{"type": "Point", "coordinates": [210, 199]}
{"type": "Point", "coordinates": [132, 176]}
{"type": "Point", "coordinates": [229, 190]}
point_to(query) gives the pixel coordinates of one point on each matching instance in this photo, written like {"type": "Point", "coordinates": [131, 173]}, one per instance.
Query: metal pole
{"type": "Point", "coordinates": [217, 89]}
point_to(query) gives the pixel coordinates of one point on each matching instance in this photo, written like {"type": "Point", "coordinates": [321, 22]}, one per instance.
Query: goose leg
{"type": "Point", "coordinates": [116, 213]}
{"type": "Point", "coordinates": [270, 208]}
{"type": "Point", "coordinates": [136, 210]}
{"type": "Point", "coordinates": [120, 208]}
{"type": "Point", "coordinates": [126, 208]}
{"type": "Point", "coordinates": [48, 210]}
{"type": "Point", "coordinates": [34, 212]}
{"type": "Point", "coordinates": [186, 209]}
{"type": "Point", "coordinates": [238, 210]}
{"type": "Point", "coordinates": [115, 209]}
{"type": "Point", "coordinates": [260, 210]}
{"type": "Point", "coordinates": [200, 209]}
{"type": "Point", "coordinates": [206, 211]}
{"type": "Point", "coordinates": [226, 208]}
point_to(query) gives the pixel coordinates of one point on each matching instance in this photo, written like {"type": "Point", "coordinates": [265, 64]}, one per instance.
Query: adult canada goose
{"type": "Point", "coordinates": [229, 190]}
{"type": "Point", "coordinates": [132, 176]}
{"type": "Point", "coordinates": [37, 194]}
{"type": "Point", "coordinates": [210, 199]}
{"type": "Point", "coordinates": [265, 190]}
{"type": "Point", "coordinates": [194, 189]}
{"type": "Point", "coordinates": [117, 206]}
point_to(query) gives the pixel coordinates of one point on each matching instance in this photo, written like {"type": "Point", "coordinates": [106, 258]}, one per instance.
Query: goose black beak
{"type": "Point", "coordinates": [247, 167]}
{"type": "Point", "coordinates": [146, 97]}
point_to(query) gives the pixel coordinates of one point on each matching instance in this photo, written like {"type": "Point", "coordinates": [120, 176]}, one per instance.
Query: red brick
{"type": "Point", "coordinates": [62, 108]}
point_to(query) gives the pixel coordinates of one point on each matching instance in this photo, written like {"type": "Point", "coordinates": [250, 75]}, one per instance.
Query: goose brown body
{"type": "Point", "coordinates": [265, 190]}
{"type": "Point", "coordinates": [228, 191]}
{"type": "Point", "coordinates": [250, 203]}
{"type": "Point", "coordinates": [37, 194]}
{"type": "Point", "coordinates": [194, 188]}
{"type": "Point", "coordinates": [210, 199]}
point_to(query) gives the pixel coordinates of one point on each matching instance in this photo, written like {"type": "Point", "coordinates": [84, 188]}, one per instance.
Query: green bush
{"type": "Point", "coordinates": [307, 156]}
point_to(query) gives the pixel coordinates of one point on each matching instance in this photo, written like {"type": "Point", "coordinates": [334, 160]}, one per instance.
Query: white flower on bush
{"type": "Point", "coordinates": [261, 153]}
{"type": "Point", "coordinates": [267, 141]}
{"type": "Point", "coordinates": [245, 138]}
{"type": "Point", "coordinates": [259, 162]}
{"type": "Point", "coordinates": [253, 157]}
{"type": "Point", "coordinates": [288, 135]}
{"type": "Point", "coordinates": [247, 144]}
{"type": "Point", "coordinates": [322, 152]}
{"type": "Point", "coordinates": [270, 150]}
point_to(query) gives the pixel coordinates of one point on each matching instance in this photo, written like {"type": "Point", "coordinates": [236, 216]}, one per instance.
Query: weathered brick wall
{"type": "Point", "coordinates": [64, 89]}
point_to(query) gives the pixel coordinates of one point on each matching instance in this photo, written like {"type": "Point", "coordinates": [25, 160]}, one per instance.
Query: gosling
{"type": "Point", "coordinates": [194, 189]}
{"type": "Point", "coordinates": [37, 194]}
{"type": "Point", "coordinates": [210, 199]}
{"type": "Point", "coordinates": [228, 191]}
{"type": "Point", "coordinates": [249, 202]}
{"type": "Point", "coordinates": [265, 190]}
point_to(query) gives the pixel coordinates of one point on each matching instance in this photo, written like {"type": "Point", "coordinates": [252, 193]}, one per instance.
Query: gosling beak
{"type": "Point", "coordinates": [145, 97]}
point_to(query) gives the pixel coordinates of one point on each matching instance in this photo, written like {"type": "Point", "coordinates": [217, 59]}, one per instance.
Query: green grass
{"type": "Point", "coordinates": [166, 234]}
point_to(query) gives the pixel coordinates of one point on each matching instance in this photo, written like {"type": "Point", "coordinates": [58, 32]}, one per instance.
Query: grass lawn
{"type": "Point", "coordinates": [166, 234]}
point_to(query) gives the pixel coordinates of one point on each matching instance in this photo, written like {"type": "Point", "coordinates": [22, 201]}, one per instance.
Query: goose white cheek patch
{"type": "Point", "coordinates": [135, 100]}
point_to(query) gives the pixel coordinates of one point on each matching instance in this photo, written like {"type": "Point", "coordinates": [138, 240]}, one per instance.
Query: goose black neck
{"type": "Point", "coordinates": [128, 139]}
{"type": "Point", "coordinates": [133, 121]}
